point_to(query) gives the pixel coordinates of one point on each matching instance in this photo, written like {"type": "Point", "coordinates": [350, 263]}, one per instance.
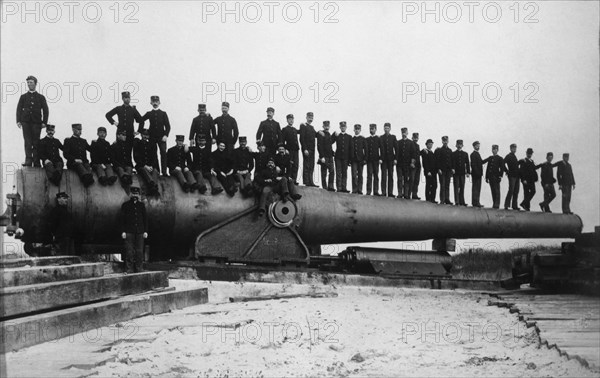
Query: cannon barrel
{"type": "Point", "coordinates": [177, 218]}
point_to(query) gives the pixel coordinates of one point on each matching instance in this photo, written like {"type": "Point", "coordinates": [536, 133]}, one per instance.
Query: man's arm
{"type": "Point", "coordinates": [144, 118]}
{"type": "Point", "coordinates": [236, 132]}
{"type": "Point", "coordinates": [19, 108]}
{"type": "Point", "coordinates": [167, 125]}
{"type": "Point", "coordinates": [259, 132]}
{"type": "Point", "coordinates": [110, 114]}
{"type": "Point", "coordinates": [45, 112]}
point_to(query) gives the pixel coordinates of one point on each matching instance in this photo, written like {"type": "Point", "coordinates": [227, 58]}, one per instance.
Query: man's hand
{"type": "Point", "coordinates": [103, 166]}
{"type": "Point", "coordinates": [412, 165]}
{"type": "Point", "coordinates": [178, 168]}
{"type": "Point", "coordinates": [145, 235]}
{"type": "Point", "coordinates": [148, 168]}
{"type": "Point", "coordinates": [212, 172]}
{"type": "Point", "coordinates": [214, 141]}
{"type": "Point", "coordinates": [164, 138]}
{"type": "Point", "coordinates": [524, 182]}
{"type": "Point", "coordinates": [453, 171]}
{"type": "Point", "coordinates": [19, 125]}
{"type": "Point", "coordinates": [123, 235]}
{"type": "Point", "coordinates": [43, 125]}
{"type": "Point", "coordinates": [439, 171]}
{"type": "Point", "coordinates": [116, 123]}
{"type": "Point", "coordinates": [186, 169]}
{"type": "Point", "coordinates": [322, 160]}
{"type": "Point", "coordinates": [47, 161]}
{"type": "Point", "coordinates": [487, 180]}
{"type": "Point", "coordinates": [428, 174]}
{"type": "Point", "coordinates": [78, 161]}
{"type": "Point", "coordinates": [277, 169]}
{"type": "Point", "coordinates": [380, 161]}
{"type": "Point", "coordinates": [186, 148]}
{"type": "Point", "coordinates": [305, 152]}
{"type": "Point", "coordinates": [192, 142]}
{"type": "Point", "coordinates": [321, 133]}
{"type": "Point", "coordinates": [395, 162]}
{"type": "Point", "coordinates": [268, 180]}
{"type": "Point", "coordinates": [135, 133]}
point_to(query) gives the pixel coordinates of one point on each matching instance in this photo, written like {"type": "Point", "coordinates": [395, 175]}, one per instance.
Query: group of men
{"type": "Point", "coordinates": [276, 163]}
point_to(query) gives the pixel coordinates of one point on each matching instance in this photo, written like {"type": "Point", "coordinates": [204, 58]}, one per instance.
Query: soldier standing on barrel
{"type": "Point", "coordinates": [342, 157]}
{"type": "Point", "coordinates": [308, 137]}
{"type": "Point", "coordinates": [528, 177]}
{"type": "Point", "coordinates": [429, 171]}
{"type": "Point", "coordinates": [32, 116]}
{"type": "Point", "coordinates": [324, 147]}
{"type": "Point", "coordinates": [387, 146]}
{"type": "Point", "coordinates": [75, 151]}
{"type": "Point", "coordinates": [372, 157]}
{"type": "Point", "coordinates": [416, 177]}
{"type": "Point", "coordinates": [462, 167]}
{"type": "Point", "coordinates": [512, 171]}
{"type": "Point", "coordinates": [269, 132]}
{"type": "Point", "coordinates": [406, 156]}
{"type": "Point", "coordinates": [476, 175]}
{"type": "Point", "coordinates": [227, 128]}
{"type": "Point", "coordinates": [50, 156]}
{"type": "Point", "coordinates": [357, 159]}
{"type": "Point", "coordinates": [566, 182]}
{"type": "Point", "coordinates": [101, 156]}
{"type": "Point", "coordinates": [289, 137]}
{"type": "Point", "coordinates": [203, 124]}
{"type": "Point", "coordinates": [548, 180]}
{"type": "Point", "coordinates": [134, 228]}
{"type": "Point", "coordinates": [444, 164]}
{"type": "Point", "coordinates": [159, 130]}
{"type": "Point", "coordinates": [126, 115]}
{"type": "Point", "coordinates": [493, 174]}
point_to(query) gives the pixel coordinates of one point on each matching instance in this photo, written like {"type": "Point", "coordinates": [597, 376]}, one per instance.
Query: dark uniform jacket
{"type": "Point", "coordinates": [177, 157]}
{"type": "Point", "coordinates": [343, 141]}
{"type": "Point", "coordinates": [261, 159]}
{"type": "Point", "coordinates": [227, 129]}
{"type": "Point", "coordinates": [159, 124]}
{"type": "Point", "coordinates": [417, 155]}
{"type": "Point", "coordinates": [406, 153]}
{"type": "Point", "coordinates": [564, 173]}
{"type": "Point", "coordinates": [61, 222]}
{"type": "Point", "coordinates": [75, 148]}
{"type": "Point", "coordinates": [201, 159]}
{"type": "Point", "coordinates": [284, 163]}
{"type": "Point", "coordinates": [547, 173]}
{"type": "Point", "coordinates": [289, 137]}
{"type": "Point", "coordinates": [267, 174]}
{"type": "Point", "coordinates": [443, 158]}
{"type": "Point", "coordinates": [145, 153]}
{"type": "Point", "coordinates": [372, 148]}
{"type": "Point", "coordinates": [387, 146]}
{"type": "Point", "coordinates": [133, 217]}
{"type": "Point", "coordinates": [358, 148]}
{"type": "Point", "coordinates": [203, 124]}
{"type": "Point", "coordinates": [512, 165]}
{"type": "Point", "coordinates": [476, 164]}
{"type": "Point", "coordinates": [100, 152]}
{"type": "Point", "coordinates": [324, 144]}
{"type": "Point", "coordinates": [48, 150]}
{"type": "Point", "coordinates": [269, 132]}
{"type": "Point", "coordinates": [126, 114]}
{"type": "Point", "coordinates": [32, 107]}
{"type": "Point", "coordinates": [460, 161]}
{"type": "Point", "coordinates": [495, 167]}
{"type": "Point", "coordinates": [222, 161]}
{"type": "Point", "coordinates": [527, 170]}
{"type": "Point", "coordinates": [429, 161]}
{"type": "Point", "coordinates": [308, 136]}
{"type": "Point", "coordinates": [242, 159]}
{"type": "Point", "coordinates": [121, 153]}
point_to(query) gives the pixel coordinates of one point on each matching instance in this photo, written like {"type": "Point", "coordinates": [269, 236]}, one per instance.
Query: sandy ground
{"type": "Point", "coordinates": [362, 332]}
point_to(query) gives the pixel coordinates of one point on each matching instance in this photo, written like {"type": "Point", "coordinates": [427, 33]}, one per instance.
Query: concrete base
{"type": "Point", "coordinates": [39, 261]}
{"type": "Point", "coordinates": [51, 273]}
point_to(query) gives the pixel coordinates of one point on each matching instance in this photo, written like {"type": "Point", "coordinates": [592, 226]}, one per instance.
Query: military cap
{"type": "Point", "coordinates": [550, 154]}
{"type": "Point", "coordinates": [201, 106]}
{"type": "Point", "coordinates": [154, 98]}
{"type": "Point", "coordinates": [404, 130]}
{"type": "Point", "coordinates": [225, 103]}
{"type": "Point", "coordinates": [494, 146]}
{"type": "Point", "coordinates": [372, 125]}
{"type": "Point", "coordinates": [290, 116]}
{"type": "Point", "coordinates": [145, 132]}
{"type": "Point", "coordinates": [325, 123]}
{"type": "Point", "coordinates": [31, 77]}
{"type": "Point", "coordinates": [202, 137]}
{"type": "Point", "coordinates": [476, 143]}
{"type": "Point", "coordinates": [415, 135]}
{"type": "Point", "coordinates": [135, 190]}
{"type": "Point", "coordinates": [387, 124]}
{"type": "Point", "coordinates": [280, 145]}
{"type": "Point", "coordinates": [459, 142]}
{"type": "Point", "coordinates": [309, 114]}
{"type": "Point", "coordinates": [243, 139]}
{"type": "Point", "coordinates": [513, 145]}
{"type": "Point", "coordinates": [50, 127]}
{"type": "Point", "coordinates": [125, 94]}
{"type": "Point", "coordinates": [62, 195]}
{"type": "Point", "coordinates": [343, 123]}
{"type": "Point", "coordinates": [121, 132]}
{"type": "Point", "coordinates": [179, 137]}
{"type": "Point", "coordinates": [445, 138]}
{"type": "Point", "coordinates": [101, 128]}
{"type": "Point", "coordinates": [270, 109]}
{"type": "Point", "coordinates": [76, 126]}
{"type": "Point", "coordinates": [357, 126]}
{"type": "Point", "coordinates": [271, 158]}
{"type": "Point", "coordinates": [429, 141]}
{"type": "Point", "coordinates": [530, 150]}
{"type": "Point", "coordinates": [566, 154]}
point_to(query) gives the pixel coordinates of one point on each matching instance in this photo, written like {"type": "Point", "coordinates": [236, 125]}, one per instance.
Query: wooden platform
{"type": "Point", "coordinates": [569, 323]}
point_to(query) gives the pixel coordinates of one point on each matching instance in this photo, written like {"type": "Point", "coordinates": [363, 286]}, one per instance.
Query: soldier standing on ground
{"type": "Point", "coordinates": [32, 116]}
{"type": "Point", "coordinates": [476, 175]}
{"type": "Point", "coordinates": [126, 115]}
{"type": "Point", "coordinates": [325, 149]}
{"type": "Point", "coordinates": [387, 147]}
{"type": "Point", "coordinates": [493, 174]}
{"type": "Point", "coordinates": [61, 226]}
{"type": "Point", "coordinates": [461, 167]}
{"type": "Point", "coordinates": [308, 137]}
{"type": "Point", "coordinates": [528, 177]}
{"type": "Point", "coordinates": [566, 182]}
{"type": "Point", "coordinates": [159, 130]}
{"type": "Point", "coordinates": [357, 159]}
{"type": "Point", "coordinates": [289, 137]}
{"type": "Point", "coordinates": [430, 171]}
{"type": "Point", "coordinates": [50, 156]}
{"type": "Point", "coordinates": [134, 229]}
{"type": "Point", "coordinates": [372, 156]}
{"type": "Point", "coordinates": [444, 164]}
{"type": "Point", "coordinates": [548, 180]}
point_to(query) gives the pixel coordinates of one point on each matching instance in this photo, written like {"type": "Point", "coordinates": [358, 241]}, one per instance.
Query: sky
{"type": "Point", "coordinates": [496, 72]}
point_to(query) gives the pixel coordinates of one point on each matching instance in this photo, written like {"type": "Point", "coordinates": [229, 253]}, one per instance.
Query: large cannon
{"type": "Point", "coordinates": [227, 228]}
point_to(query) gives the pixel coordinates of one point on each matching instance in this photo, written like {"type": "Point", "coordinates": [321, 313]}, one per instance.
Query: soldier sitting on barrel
{"type": "Point", "coordinates": [283, 162]}
{"type": "Point", "coordinates": [75, 151]}
{"type": "Point", "coordinates": [121, 158]}
{"type": "Point", "coordinates": [179, 161]}
{"type": "Point", "coordinates": [201, 166]}
{"type": "Point", "coordinates": [61, 226]}
{"type": "Point", "coordinates": [244, 164]}
{"type": "Point", "coordinates": [49, 154]}
{"type": "Point", "coordinates": [134, 229]}
{"type": "Point", "coordinates": [100, 152]}
{"type": "Point", "coordinates": [146, 160]}
{"type": "Point", "coordinates": [222, 164]}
